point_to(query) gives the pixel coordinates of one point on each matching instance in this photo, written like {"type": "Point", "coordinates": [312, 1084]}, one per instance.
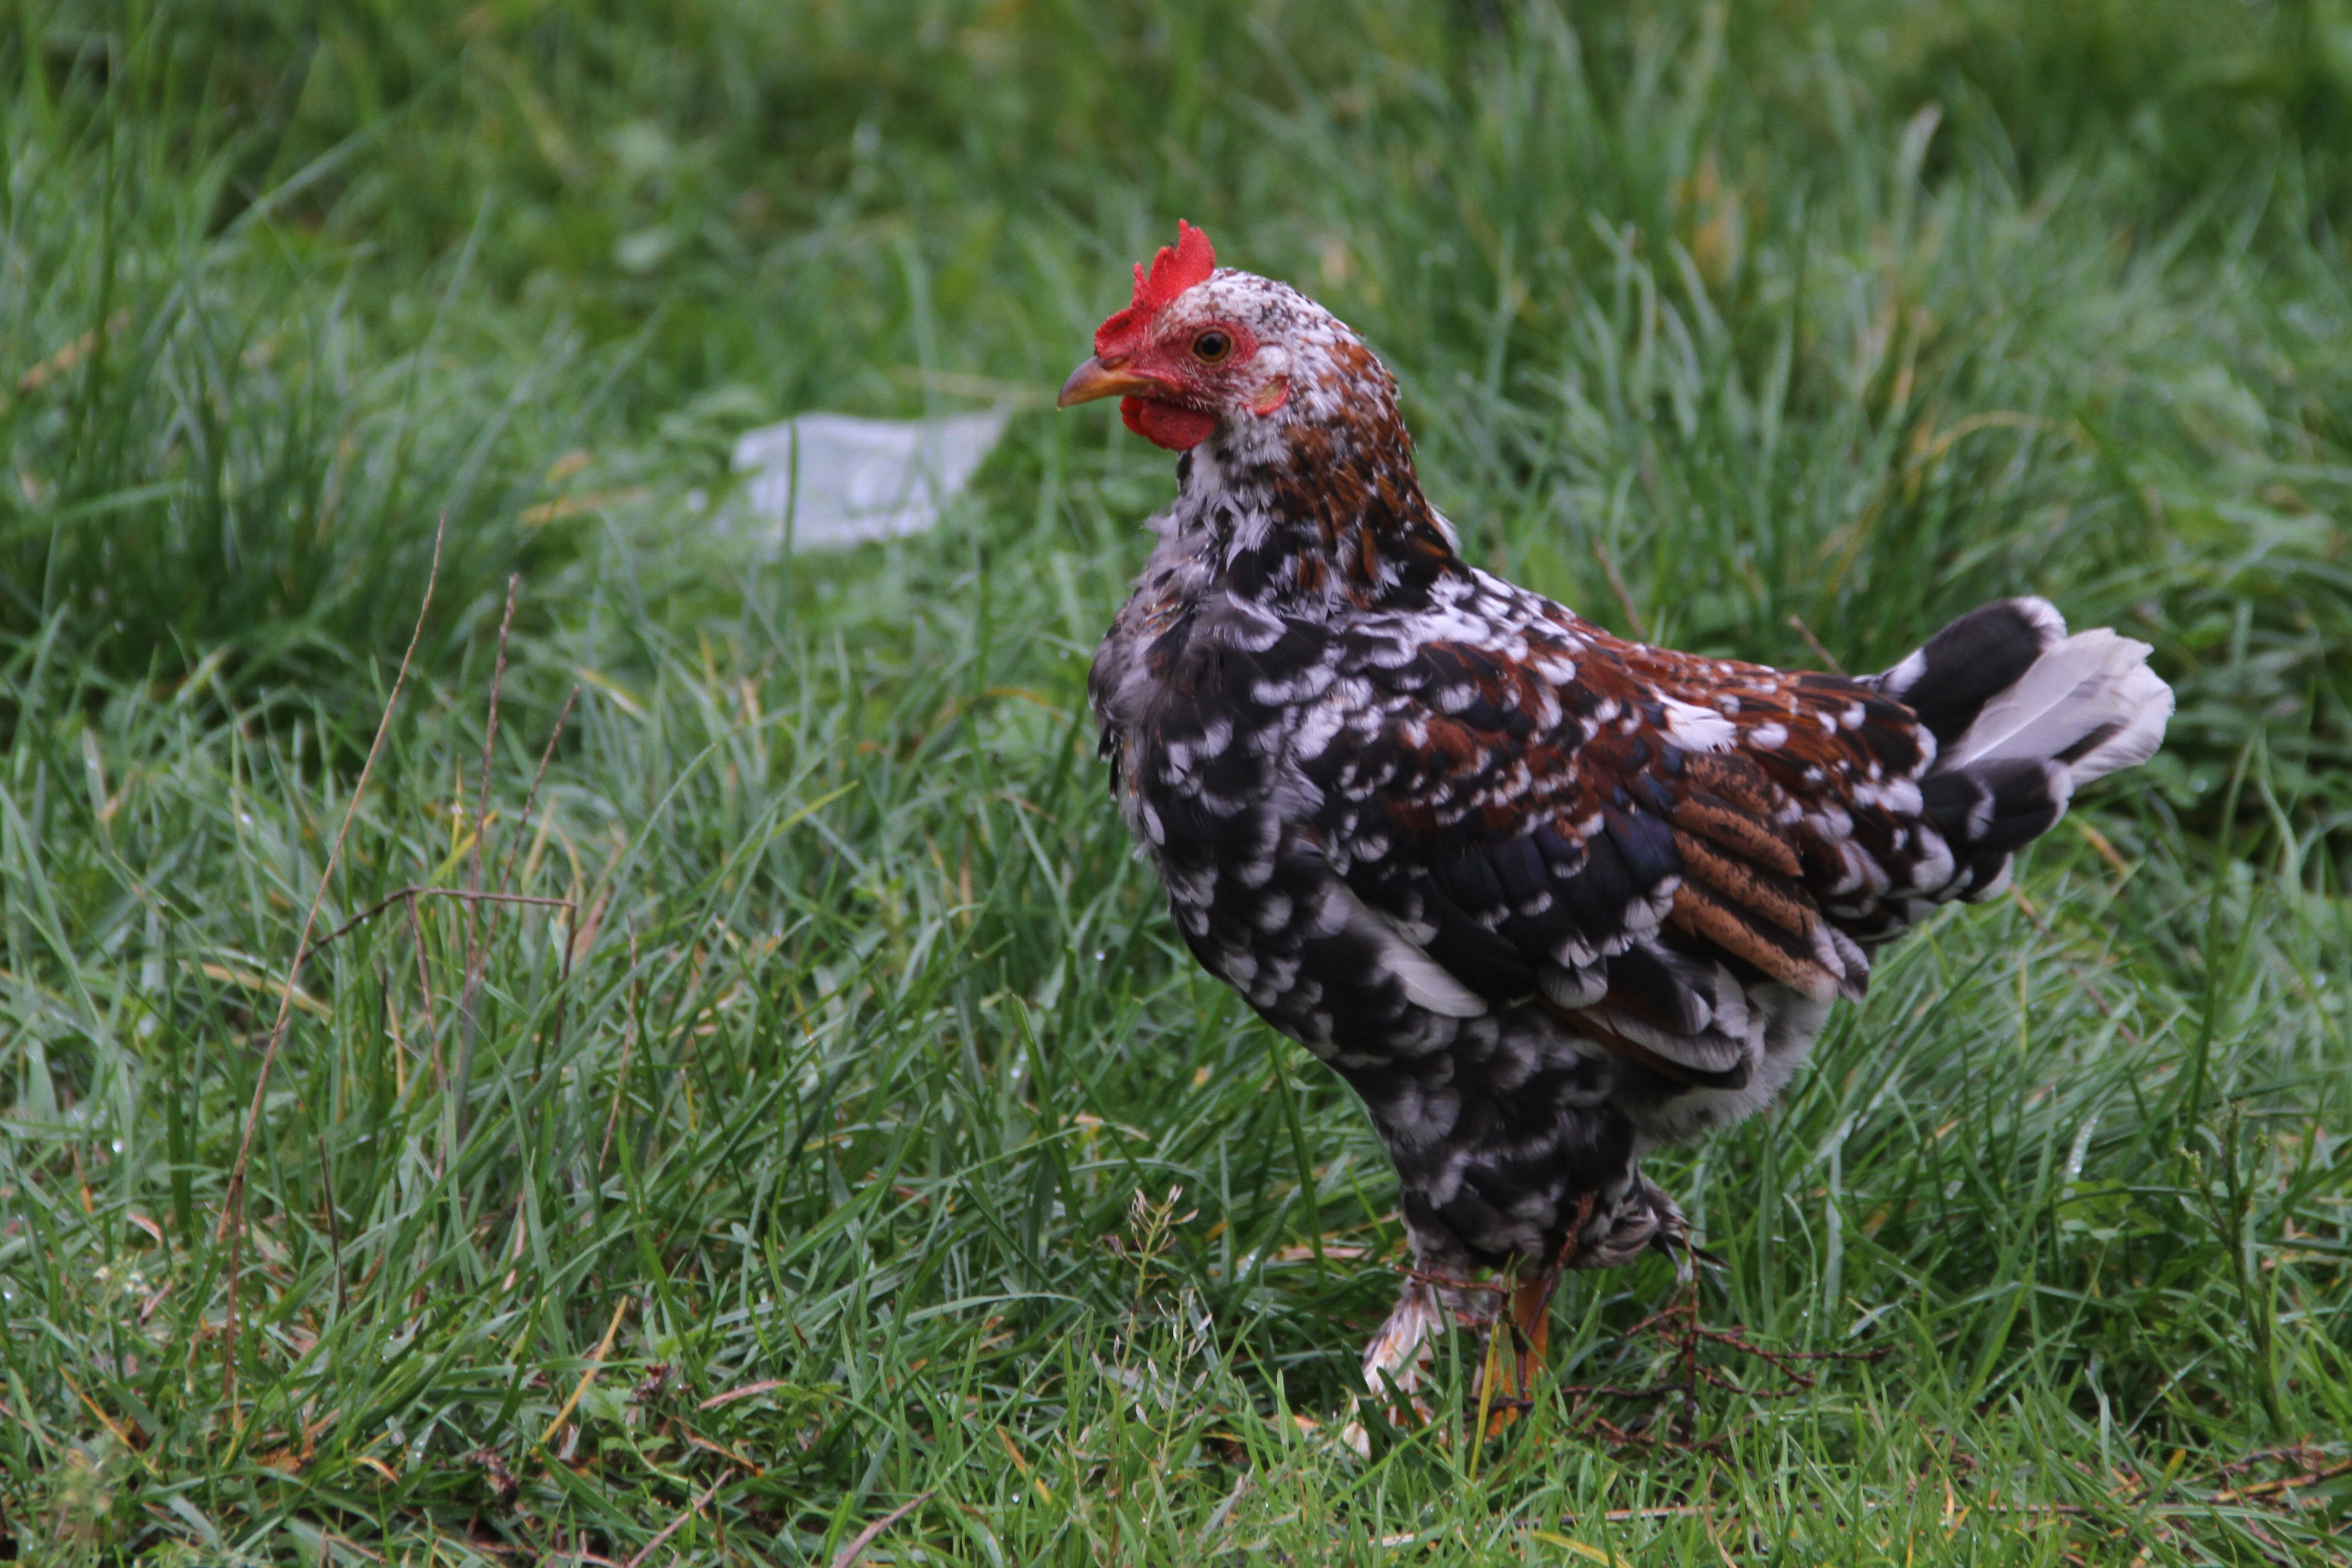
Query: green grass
{"type": "Point", "coordinates": [846, 1090]}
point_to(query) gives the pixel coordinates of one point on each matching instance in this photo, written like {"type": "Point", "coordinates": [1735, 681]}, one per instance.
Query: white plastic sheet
{"type": "Point", "coordinates": [832, 479]}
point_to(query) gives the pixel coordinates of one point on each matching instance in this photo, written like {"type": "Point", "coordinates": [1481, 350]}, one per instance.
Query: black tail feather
{"type": "Point", "coordinates": [2022, 713]}
{"type": "Point", "coordinates": [1972, 660]}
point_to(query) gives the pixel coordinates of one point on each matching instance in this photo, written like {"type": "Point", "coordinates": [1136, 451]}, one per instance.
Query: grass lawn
{"type": "Point", "coordinates": [781, 1121]}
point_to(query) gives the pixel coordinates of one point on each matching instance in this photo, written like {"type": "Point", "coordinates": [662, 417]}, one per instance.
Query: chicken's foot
{"type": "Point", "coordinates": [1402, 1348]}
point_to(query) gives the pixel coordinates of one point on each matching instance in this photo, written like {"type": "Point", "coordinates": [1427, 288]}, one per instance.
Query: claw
{"type": "Point", "coordinates": [1401, 1349]}
{"type": "Point", "coordinates": [1395, 1357]}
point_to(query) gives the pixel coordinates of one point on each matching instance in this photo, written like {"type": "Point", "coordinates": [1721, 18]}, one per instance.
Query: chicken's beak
{"type": "Point", "coordinates": [1096, 380]}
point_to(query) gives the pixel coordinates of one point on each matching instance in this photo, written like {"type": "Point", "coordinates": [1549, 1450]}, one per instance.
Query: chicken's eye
{"type": "Point", "coordinates": [1211, 346]}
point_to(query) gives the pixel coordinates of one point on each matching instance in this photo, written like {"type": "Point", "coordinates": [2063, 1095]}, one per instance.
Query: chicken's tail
{"type": "Point", "coordinates": [2021, 714]}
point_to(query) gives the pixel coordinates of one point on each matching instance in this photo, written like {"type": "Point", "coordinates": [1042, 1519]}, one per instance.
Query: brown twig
{"type": "Point", "coordinates": [2295, 1453]}
{"type": "Point", "coordinates": [1682, 1321]}
{"type": "Point", "coordinates": [2286, 1483]}
{"type": "Point", "coordinates": [523, 824]}
{"type": "Point", "coordinates": [232, 1219]}
{"type": "Point", "coordinates": [490, 733]}
{"type": "Point", "coordinates": [467, 895]}
{"type": "Point", "coordinates": [1611, 1391]}
{"type": "Point", "coordinates": [674, 1525]}
{"type": "Point", "coordinates": [848, 1555]}
{"type": "Point", "coordinates": [1624, 1438]}
{"type": "Point", "coordinates": [1797, 624]}
{"type": "Point", "coordinates": [746, 1392]}
{"type": "Point", "coordinates": [1617, 585]}
{"type": "Point", "coordinates": [596, 1364]}
{"type": "Point", "coordinates": [1670, 1510]}
{"type": "Point", "coordinates": [477, 956]}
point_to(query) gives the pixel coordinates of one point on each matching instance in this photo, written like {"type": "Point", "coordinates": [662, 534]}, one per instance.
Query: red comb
{"type": "Point", "coordinates": [1172, 272]}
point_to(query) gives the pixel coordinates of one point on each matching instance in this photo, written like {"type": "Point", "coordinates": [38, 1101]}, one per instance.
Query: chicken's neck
{"type": "Point", "coordinates": [1312, 516]}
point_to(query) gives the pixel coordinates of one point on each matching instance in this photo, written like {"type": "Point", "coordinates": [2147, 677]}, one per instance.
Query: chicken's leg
{"type": "Point", "coordinates": [1531, 1321]}
{"type": "Point", "coordinates": [1512, 1368]}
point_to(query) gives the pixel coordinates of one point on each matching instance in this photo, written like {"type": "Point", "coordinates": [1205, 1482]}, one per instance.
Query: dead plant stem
{"type": "Point", "coordinates": [232, 1219]}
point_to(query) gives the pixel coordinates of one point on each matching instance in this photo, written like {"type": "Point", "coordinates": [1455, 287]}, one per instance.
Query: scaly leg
{"type": "Point", "coordinates": [1530, 1321]}
{"type": "Point", "coordinates": [1529, 1325]}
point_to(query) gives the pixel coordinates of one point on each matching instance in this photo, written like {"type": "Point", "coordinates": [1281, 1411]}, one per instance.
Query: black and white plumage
{"type": "Point", "coordinates": [1544, 898]}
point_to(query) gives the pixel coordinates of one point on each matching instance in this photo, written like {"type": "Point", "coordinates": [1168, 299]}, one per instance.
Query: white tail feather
{"type": "Point", "coordinates": [2090, 682]}
{"type": "Point", "coordinates": [2145, 695]}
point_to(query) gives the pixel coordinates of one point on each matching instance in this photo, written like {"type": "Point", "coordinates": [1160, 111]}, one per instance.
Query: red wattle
{"type": "Point", "coordinates": [1166, 424]}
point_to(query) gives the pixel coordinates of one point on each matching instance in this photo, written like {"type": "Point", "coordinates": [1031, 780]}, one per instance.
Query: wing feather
{"type": "Point", "coordinates": [1557, 842]}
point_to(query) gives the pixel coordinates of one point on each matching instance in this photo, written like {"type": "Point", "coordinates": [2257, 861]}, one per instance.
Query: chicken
{"type": "Point", "coordinates": [1545, 898]}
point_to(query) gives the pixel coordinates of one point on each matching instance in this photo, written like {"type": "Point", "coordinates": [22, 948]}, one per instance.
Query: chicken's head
{"type": "Point", "coordinates": [1188, 353]}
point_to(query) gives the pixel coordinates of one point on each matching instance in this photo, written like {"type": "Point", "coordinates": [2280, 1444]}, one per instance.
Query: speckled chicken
{"type": "Point", "coordinates": [1545, 898]}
